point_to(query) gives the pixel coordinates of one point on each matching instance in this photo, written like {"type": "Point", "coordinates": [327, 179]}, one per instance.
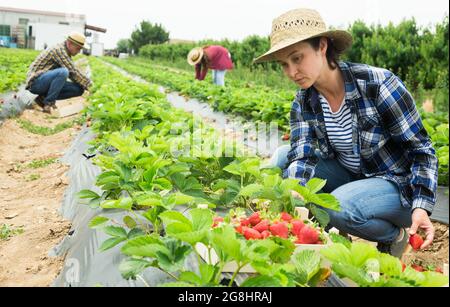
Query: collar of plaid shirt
{"type": "Point", "coordinates": [352, 92]}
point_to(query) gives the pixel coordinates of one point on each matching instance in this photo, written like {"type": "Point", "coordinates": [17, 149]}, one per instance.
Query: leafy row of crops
{"type": "Point", "coordinates": [437, 127]}
{"type": "Point", "coordinates": [154, 167]}
{"type": "Point", "coordinates": [14, 65]}
{"type": "Point", "coordinates": [258, 103]}
{"type": "Point", "coordinates": [265, 104]}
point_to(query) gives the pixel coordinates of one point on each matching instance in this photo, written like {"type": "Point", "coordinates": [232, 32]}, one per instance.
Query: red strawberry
{"type": "Point", "coordinates": [297, 225]}
{"type": "Point", "coordinates": [308, 235]}
{"type": "Point", "coordinates": [262, 226]}
{"type": "Point", "coordinates": [239, 229]}
{"type": "Point", "coordinates": [265, 234]}
{"type": "Point", "coordinates": [416, 241]}
{"type": "Point", "coordinates": [216, 221]}
{"type": "Point", "coordinates": [286, 217]}
{"type": "Point", "coordinates": [251, 234]}
{"type": "Point", "coordinates": [439, 270]}
{"type": "Point", "coordinates": [245, 222]}
{"type": "Point", "coordinates": [286, 137]}
{"type": "Point", "coordinates": [417, 267]}
{"type": "Point", "coordinates": [280, 229]}
{"type": "Point", "coordinates": [254, 219]}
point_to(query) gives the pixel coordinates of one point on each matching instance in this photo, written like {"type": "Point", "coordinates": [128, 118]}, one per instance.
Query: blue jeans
{"type": "Point", "coordinates": [54, 86]}
{"type": "Point", "coordinates": [370, 207]}
{"type": "Point", "coordinates": [219, 77]}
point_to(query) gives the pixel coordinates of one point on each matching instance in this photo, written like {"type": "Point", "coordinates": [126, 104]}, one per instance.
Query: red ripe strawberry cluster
{"type": "Point", "coordinates": [258, 227]}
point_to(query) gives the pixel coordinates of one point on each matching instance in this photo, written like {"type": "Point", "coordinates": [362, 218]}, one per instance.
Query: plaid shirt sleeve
{"type": "Point", "coordinates": [398, 111]}
{"type": "Point", "coordinates": [61, 57]}
{"type": "Point", "coordinates": [302, 159]}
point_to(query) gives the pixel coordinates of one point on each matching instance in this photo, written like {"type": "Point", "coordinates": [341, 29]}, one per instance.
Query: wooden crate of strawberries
{"type": "Point", "coordinates": [300, 230]}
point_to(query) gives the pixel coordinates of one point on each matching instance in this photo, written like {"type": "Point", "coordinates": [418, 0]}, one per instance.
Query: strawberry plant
{"type": "Point", "coordinates": [273, 259]}
{"type": "Point", "coordinates": [147, 174]}
{"type": "Point", "coordinates": [437, 127]}
{"type": "Point", "coordinates": [366, 267]}
{"type": "Point", "coordinates": [14, 65]}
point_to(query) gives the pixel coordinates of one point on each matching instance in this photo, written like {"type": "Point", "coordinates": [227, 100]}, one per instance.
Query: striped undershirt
{"type": "Point", "coordinates": [339, 130]}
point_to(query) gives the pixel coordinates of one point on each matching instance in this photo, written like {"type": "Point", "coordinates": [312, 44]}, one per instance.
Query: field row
{"type": "Point", "coordinates": [238, 216]}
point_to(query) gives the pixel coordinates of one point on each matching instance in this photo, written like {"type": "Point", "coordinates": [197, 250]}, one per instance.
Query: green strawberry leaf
{"type": "Point", "coordinates": [131, 267]}
{"type": "Point", "coordinates": [98, 222]}
{"type": "Point", "coordinates": [110, 243]}
{"type": "Point", "coordinates": [146, 246]}
{"type": "Point", "coordinates": [261, 281]}
{"type": "Point", "coordinates": [315, 185]}
{"type": "Point", "coordinates": [307, 263]}
{"type": "Point", "coordinates": [115, 231]}
{"type": "Point", "coordinates": [321, 215]}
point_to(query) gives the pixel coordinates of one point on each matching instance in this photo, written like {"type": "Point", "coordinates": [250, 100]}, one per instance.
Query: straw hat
{"type": "Point", "coordinates": [77, 38]}
{"type": "Point", "coordinates": [299, 25]}
{"type": "Point", "coordinates": [195, 56]}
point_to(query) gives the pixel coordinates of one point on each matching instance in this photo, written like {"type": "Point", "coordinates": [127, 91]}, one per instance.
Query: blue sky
{"type": "Point", "coordinates": [233, 19]}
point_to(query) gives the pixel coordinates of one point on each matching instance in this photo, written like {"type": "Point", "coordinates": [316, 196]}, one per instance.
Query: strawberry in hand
{"type": "Point", "coordinates": [416, 241]}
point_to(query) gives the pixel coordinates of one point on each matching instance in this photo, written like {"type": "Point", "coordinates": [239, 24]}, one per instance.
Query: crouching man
{"type": "Point", "coordinates": [48, 74]}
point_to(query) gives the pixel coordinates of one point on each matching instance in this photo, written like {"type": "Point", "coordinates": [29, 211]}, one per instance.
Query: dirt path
{"type": "Point", "coordinates": [30, 197]}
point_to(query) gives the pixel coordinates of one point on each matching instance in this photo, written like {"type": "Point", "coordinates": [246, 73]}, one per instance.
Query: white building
{"type": "Point", "coordinates": [38, 30]}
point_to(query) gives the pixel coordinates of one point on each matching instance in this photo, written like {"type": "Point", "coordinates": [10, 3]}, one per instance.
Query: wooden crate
{"type": "Point", "coordinates": [232, 266]}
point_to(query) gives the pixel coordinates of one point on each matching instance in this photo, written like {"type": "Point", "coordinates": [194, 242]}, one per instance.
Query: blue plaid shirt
{"type": "Point", "coordinates": [388, 134]}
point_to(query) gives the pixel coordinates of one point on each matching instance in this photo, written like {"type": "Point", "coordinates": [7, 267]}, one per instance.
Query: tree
{"type": "Point", "coordinates": [123, 45]}
{"type": "Point", "coordinates": [148, 33]}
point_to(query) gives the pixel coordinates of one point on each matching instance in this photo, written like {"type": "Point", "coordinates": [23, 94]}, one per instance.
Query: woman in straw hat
{"type": "Point", "coordinates": [216, 58]}
{"type": "Point", "coordinates": [356, 126]}
{"type": "Point", "coordinates": [48, 74]}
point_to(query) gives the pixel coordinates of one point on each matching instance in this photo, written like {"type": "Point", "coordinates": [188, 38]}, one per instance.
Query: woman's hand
{"type": "Point", "coordinates": [421, 220]}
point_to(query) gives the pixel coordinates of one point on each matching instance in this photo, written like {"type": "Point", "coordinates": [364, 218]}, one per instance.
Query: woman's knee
{"type": "Point", "coordinates": [353, 211]}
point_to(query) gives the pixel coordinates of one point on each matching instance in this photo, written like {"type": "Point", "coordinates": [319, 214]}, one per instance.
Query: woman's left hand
{"type": "Point", "coordinates": [421, 220]}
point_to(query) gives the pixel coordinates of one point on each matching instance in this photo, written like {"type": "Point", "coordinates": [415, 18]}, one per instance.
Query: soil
{"type": "Point", "coordinates": [435, 255]}
{"type": "Point", "coordinates": [30, 199]}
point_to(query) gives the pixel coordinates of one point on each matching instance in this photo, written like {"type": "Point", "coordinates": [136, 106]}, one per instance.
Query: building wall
{"type": "Point", "coordinates": [33, 29]}
{"type": "Point", "coordinates": [12, 19]}
{"type": "Point", "coordinates": [48, 35]}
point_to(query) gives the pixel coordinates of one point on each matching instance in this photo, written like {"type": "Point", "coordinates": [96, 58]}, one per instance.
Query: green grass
{"type": "Point", "coordinates": [40, 130]}
{"type": "Point", "coordinates": [35, 164]}
{"type": "Point", "coordinates": [41, 163]}
{"type": "Point", "coordinates": [6, 231]}
{"type": "Point", "coordinates": [33, 177]}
